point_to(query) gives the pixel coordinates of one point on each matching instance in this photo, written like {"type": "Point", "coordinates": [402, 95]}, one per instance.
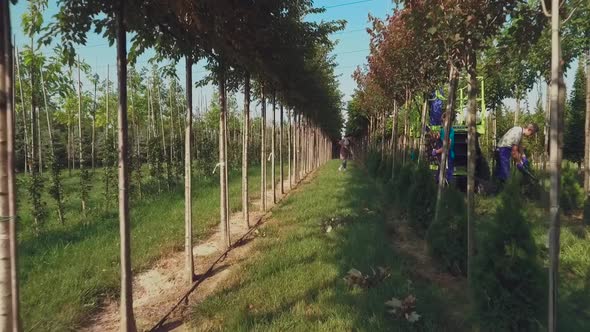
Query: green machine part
{"type": "Point", "coordinates": [463, 98]}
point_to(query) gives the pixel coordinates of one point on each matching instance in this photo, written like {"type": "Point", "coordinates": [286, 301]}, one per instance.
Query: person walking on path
{"type": "Point", "coordinates": [510, 148]}
{"type": "Point", "coordinates": [345, 153]}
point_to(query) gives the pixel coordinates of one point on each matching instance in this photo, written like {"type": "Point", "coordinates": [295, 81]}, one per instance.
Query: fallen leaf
{"type": "Point", "coordinates": [394, 303]}
{"type": "Point", "coordinates": [413, 317]}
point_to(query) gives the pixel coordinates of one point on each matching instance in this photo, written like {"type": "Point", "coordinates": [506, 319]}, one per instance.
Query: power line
{"type": "Point", "coordinates": [350, 52]}
{"type": "Point", "coordinates": [347, 4]}
{"type": "Point", "coordinates": [349, 31]}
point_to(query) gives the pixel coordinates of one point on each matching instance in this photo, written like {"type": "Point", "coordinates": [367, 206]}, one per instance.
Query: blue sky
{"type": "Point", "coordinates": [351, 50]}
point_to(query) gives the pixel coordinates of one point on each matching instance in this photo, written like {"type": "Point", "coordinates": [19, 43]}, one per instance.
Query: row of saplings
{"type": "Point", "coordinates": [507, 281]}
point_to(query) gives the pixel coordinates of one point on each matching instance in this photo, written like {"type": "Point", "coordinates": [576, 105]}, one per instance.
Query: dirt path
{"type": "Point", "coordinates": [405, 241]}
{"type": "Point", "coordinates": [157, 290]}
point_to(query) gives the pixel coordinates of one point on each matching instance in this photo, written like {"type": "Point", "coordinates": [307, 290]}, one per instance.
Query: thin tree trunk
{"type": "Point", "coordinates": [422, 126]}
{"type": "Point", "coordinates": [405, 140]}
{"type": "Point", "coordinates": [223, 162]}
{"type": "Point", "coordinates": [93, 143]}
{"type": "Point", "coordinates": [289, 131]}
{"type": "Point", "coordinates": [25, 120]}
{"type": "Point", "coordinates": [453, 80]}
{"type": "Point", "coordinates": [370, 133]}
{"type": "Point", "coordinates": [263, 155]}
{"type": "Point", "coordinates": [272, 149]}
{"type": "Point", "coordinates": [164, 149]}
{"type": "Point", "coordinates": [394, 139]}
{"type": "Point", "coordinates": [80, 128]}
{"type": "Point", "coordinates": [555, 150]}
{"type": "Point", "coordinates": [587, 146]}
{"type": "Point", "coordinates": [471, 156]}
{"type": "Point", "coordinates": [281, 173]}
{"type": "Point", "coordinates": [39, 145]}
{"type": "Point", "coordinates": [245, 141]}
{"type": "Point", "coordinates": [34, 132]}
{"type": "Point", "coordinates": [383, 125]}
{"type": "Point", "coordinates": [9, 292]}
{"type": "Point", "coordinates": [547, 125]}
{"type": "Point", "coordinates": [226, 171]}
{"type": "Point", "coordinates": [126, 309]}
{"type": "Point", "coordinates": [295, 148]}
{"type": "Point", "coordinates": [188, 199]}
{"type": "Point", "coordinates": [69, 143]}
{"type": "Point", "coordinates": [5, 258]}
{"type": "Point", "coordinates": [107, 111]}
{"type": "Point", "coordinates": [517, 110]}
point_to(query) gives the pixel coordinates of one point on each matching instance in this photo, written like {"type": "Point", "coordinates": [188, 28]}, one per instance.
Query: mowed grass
{"type": "Point", "coordinates": [293, 279]}
{"type": "Point", "coordinates": [68, 269]}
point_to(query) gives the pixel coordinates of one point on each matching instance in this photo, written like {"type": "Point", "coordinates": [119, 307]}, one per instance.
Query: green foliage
{"type": "Point", "coordinates": [507, 280]}
{"type": "Point", "coordinates": [56, 189]}
{"type": "Point", "coordinates": [447, 235]}
{"type": "Point", "coordinates": [373, 162]}
{"type": "Point", "coordinates": [586, 218]}
{"type": "Point", "coordinates": [421, 199]}
{"type": "Point", "coordinates": [85, 184]}
{"type": "Point", "coordinates": [573, 147]}
{"type": "Point", "coordinates": [572, 193]}
{"type": "Point", "coordinates": [109, 172]}
{"type": "Point", "coordinates": [38, 206]}
{"type": "Point", "coordinates": [398, 187]}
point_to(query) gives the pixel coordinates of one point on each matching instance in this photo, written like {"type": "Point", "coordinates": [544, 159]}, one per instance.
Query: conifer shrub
{"type": "Point", "coordinates": [587, 211]}
{"type": "Point", "coordinates": [447, 235]}
{"type": "Point", "coordinates": [507, 280]}
{"type": "Point", "coordinates": [399, 185]}
{"type": "Point", "coordinates": [373, 161]}
{"type": "Point", "coordinates": [421, 199]}
{"type": "Point", "coordinates": [572, 193]}
{"type": "Point", "coordinates": [385, 168]}
{"type": "Point", "coordinates": [56, 190]}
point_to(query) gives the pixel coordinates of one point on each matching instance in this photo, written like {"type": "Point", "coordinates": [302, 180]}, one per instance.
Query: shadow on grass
{"type": "Point", "coordinates": [295, 278]}
{"type": "Point", "coordinates": [574, 310]}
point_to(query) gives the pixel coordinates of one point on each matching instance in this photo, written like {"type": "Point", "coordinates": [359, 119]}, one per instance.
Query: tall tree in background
{"type": "Point", "coordinates": [573, 147]}
{"type": "Point", "coordinates": [32, 21]}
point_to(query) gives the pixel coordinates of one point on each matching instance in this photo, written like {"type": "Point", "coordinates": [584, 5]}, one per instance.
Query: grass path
{"type": "Point", "coordinates": [293, 277]}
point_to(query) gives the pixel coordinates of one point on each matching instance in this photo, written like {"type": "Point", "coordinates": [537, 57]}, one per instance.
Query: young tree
{"type": "Point", "coordinates": [126, 307]}
{"type": "Point", "coordinates": [555, 155]}
{"type": "Point", "coordinates": [8, 278]}
{"type": "Point", "coordinates": [245, 145]}
{"type": "Point", "coordinates": [224, 208]}
{"type": "Point", "coordinates": [188, 198]}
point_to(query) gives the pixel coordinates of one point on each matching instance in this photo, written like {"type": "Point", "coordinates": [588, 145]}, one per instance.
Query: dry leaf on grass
{"type": "Point", "coordinates": [405, 308]}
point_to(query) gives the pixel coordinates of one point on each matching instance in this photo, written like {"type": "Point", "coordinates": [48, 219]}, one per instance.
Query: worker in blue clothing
{"type": "Point", "coordinates": [438, 151]}
{"type": "Point", "coordinates": [510, 148]}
